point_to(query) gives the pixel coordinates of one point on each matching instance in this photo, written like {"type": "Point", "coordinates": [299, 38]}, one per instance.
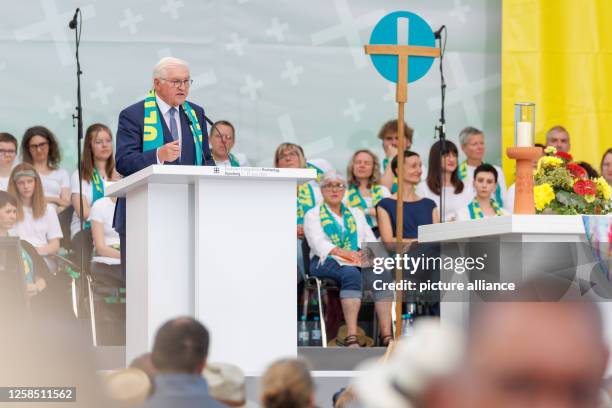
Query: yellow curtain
{"type": "Point", "coordinates": [558, 54]}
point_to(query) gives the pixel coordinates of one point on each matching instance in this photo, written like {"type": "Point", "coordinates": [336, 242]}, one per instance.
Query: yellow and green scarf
{"type": "Point", "coordinates": [153, 136]}
{"type": "Point", "coordinates": [346, 239]}
{"type": "Point", "coordinates": [233, 160]}
{"type": "Point", "coordinates": [476, 211]}
{"type": "Point", "coordinates": [463, 173]}
{"type": "Point", "coordinates": [28, 266]}
{"type": "Point", "coordinates": [305, 201]}
{"type": "Point", "coordinates": [394, 186]}
{"type": "Point", "coordinates": [356, 200]}
{"type": "Point", "coordinates": [319, 171]}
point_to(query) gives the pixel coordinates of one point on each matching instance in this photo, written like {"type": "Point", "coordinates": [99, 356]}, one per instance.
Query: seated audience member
{"type": "Point", "coordinates": [417, 210]}
{"type": "Point", "coordinates": [335, 233]}
{"type": "Point", "coordinates": [365, 190]}
{"type": "Point", "coordinates": [40, 149]}
{"type": "Point", "coordinates": [510, 194]}
{"type": "Point", "coordinates": [290, 155]}
{"type": "Point", "coordinates": [483, 204]}
{"type": "Point", "coordinates": [558, 137]}
{"type": "Point", "coordinates": [388, 135]}
{"type": "Point", "coordinates": [226, 384]}
{"type": "Point", "coordinates": [35, 283]}
{"type": "Point", "coordinates": [106, 256]}
{"type": "Point", "coordinates": [98, 167]}
{"type": "Point", "coordinates": [37, 221]}
{"type": "Point", "coordinates": [591, 172]}
{"type": "Point", "coordinates": [412, 371]}
{"type": "Point", "coordinates": [606, 166]}
{"type": "Point", "coordinates": [127, 387]}
{"type": "Point", "coordinates": [519, 354]}
{"type": "Point", "coordinates": [443, 168]}
{"type": "Point", "coordinates": [8, 153]}
{"type": "Point", "coordinates": [287, 384]}
{"type": "Point", "coordinates": [144, 362]}
{"type": "Point", "coordinates": [180, 350]}
{"type": "Point", "coordinates": [473, 146]}
{"type": "Point", "coordinates": [222, 140]}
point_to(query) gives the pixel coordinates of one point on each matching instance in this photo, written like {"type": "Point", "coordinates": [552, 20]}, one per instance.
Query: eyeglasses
{"type": "Point", "coordinates": [177, 82]}
{"type": "Point", "coordinates": [288, 155]}
{"type": "Point", "coordinates": [39, 146]}
{"type": "Point", "coordinates": [7, 152]}
{"type": "Point", "coordinates": [332, 187]}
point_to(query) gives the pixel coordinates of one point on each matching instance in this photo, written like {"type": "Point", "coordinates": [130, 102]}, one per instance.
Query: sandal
{"type": "Point", "coordinates": [386, 340]}
{"type": "Point", "coordinates": [349, 341]}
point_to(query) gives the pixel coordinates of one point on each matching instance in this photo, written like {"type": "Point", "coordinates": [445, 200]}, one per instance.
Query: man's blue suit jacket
{"type": "Point", "coordinates": [130, 158]}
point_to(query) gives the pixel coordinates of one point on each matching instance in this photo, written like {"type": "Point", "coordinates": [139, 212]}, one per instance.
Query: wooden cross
{"type": "Point", "coordinates": [402, 50]}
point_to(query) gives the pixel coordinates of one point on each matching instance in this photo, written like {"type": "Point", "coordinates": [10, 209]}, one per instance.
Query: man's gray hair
{"type": "Point", "coordinates": [159, 71]}
{"type": "Point", "coordinates": [330, 176]}
{"type": "Point", "coordinates": [466, 133]}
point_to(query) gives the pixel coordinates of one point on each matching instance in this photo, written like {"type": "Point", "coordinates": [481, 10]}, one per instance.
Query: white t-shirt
{"type": "Point", "coordinates": [4, 183]}
{"type": "Point", "coordinates": [452, 202]}
{"type": "Point", "coordinates": [39, 231]}
{"type": "Point", "coordinates": [242, 161]}
{"type": "Point", "coordinates": [464, 214]}
{"type": "Point", "coordinates": [54, 182]}
{"type": "Point", "coordinates": [103, 211]}
{"type": "Point", "coordinates": [75, 224]}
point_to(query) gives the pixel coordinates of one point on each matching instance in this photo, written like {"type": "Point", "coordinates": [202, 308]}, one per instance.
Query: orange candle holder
{"type": "Point", "coordinates": [524, 157]}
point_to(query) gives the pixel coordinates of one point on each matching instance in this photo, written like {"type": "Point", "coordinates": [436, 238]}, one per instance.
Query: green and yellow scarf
{"type": "Point", "coordinates": [233, 160]}
{"type": "Point", "coordinates": [319, 171]}
{"type": "Point", "coordinates": [356, 200]}
{"type": "Point", "coordinates": [153, 136]}
{"type": "Point", "coordinates": [476, 212]}
{"type": "Point", "coordinates": [394, 186]}
{"type": "Point", "coordinates": [346, 239]}
{"type": "Point", "coordinates": [463, 173]}
{"type": "Point", "coordinates": [305, 201]}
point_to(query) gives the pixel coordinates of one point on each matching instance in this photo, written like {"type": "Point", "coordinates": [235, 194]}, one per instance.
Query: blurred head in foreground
{"type": "Point", "coordinates": [531, 354]}
{"type": "Point", "coordinates": [287, 384]}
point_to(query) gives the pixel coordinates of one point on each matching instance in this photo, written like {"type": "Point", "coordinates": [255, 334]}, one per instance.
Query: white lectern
{"type": "Point", "coordinates": [218, 244]}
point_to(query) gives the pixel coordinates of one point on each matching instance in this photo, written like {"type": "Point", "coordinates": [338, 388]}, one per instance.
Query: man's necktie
{"type": "Point", "coordinates": [173, 127]}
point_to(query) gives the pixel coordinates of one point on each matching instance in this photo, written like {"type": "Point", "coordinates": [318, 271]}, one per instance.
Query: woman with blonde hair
{"type": "Point", "coordinates": [365, 190]}
{"type": "Point", "coordinates": [37, 221]}
{"type": "Point", "coordinates": [291, 155]}
{"type": "Point", "coordinates": [287, 384]}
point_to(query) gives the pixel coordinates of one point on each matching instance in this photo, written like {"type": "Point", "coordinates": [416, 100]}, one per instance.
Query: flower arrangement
{"type": "Point", "coordinates": [563, 187]}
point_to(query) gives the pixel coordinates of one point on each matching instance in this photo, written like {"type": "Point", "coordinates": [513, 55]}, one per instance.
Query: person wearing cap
{"type": "Point", "coordinates": [335, 232]}
{"type": "Point", "coordinates": [180, 350]}
{"type": "Point", "coordinates": [226, 384]}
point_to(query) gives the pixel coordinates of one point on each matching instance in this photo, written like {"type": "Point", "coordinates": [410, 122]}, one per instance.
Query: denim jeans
{"type": "Point", "coordinates": [347, 277]}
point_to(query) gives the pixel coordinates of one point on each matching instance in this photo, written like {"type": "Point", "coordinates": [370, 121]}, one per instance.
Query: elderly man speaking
{"type": "Point", "coordinates": [164, 128]}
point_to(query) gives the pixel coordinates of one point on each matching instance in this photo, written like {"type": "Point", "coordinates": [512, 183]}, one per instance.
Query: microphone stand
{"type": "Point", "coordinates": [441, 129]}
{"type": "Point", "coordinates": [77, 26]}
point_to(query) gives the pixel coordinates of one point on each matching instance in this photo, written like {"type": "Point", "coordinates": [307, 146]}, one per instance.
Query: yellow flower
{"type": "Point", "coordinates": [549, 162]}
{"type": "Point", "coordinates": [589, 198]}
{"type": "Point", "coordinates": [550, 150]}
{"type": "Point", "coordinates": [543, 195]}
{"type": "Point", "coordinates": [603, 187]}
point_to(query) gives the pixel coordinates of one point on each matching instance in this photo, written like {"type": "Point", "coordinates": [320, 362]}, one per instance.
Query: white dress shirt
{"type": "Point", "coordinates": [320, 243]}
{"type": "Point", "coordinates": [164, 108]}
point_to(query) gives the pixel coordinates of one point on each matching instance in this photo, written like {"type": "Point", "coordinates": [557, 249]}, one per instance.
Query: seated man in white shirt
{"type": "Point", "coordinates": [483, 204]}
{"type": "Point", "coordinates": [335, 233]}
{"type": "Point", "coordinates": [222, 140]}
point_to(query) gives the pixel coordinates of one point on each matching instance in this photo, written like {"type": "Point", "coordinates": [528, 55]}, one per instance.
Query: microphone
{"type": "Point", "coordinates": [438, 32]}
{"type": "Point", "coordinates": [73, 23]}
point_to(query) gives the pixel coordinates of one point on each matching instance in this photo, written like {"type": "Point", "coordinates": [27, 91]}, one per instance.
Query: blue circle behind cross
{"type": "Point", "coordinates": [393, 29]}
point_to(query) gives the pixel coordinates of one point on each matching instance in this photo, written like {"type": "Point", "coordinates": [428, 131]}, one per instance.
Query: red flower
{"type": "Point", "coordinates": [564, 155]}
{"type": "Point", "coordinates": [585, 187]}
{"type": "Point", "coordinates": [577, 170]}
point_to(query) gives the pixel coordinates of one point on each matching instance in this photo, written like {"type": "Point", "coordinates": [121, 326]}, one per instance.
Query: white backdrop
{"type": "Point", "coordinates": [280, 71]}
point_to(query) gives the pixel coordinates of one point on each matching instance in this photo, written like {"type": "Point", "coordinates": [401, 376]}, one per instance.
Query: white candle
{"type": "Point", "coordinates": [523, 134]}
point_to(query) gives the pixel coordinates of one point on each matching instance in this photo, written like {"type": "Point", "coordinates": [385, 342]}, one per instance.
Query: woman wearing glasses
{"type": "Point", "coordinates": [40, 149]}
{"type": "Point", "coordinates": [291, 156]}
{"type": "Point", "coordinates": [8, 153]}
{"type": "Point", "coordinates": [335, 233]}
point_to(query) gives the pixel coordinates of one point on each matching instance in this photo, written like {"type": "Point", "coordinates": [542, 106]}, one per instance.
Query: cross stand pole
{"type": "Point", "coordinates": [401, 96]}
